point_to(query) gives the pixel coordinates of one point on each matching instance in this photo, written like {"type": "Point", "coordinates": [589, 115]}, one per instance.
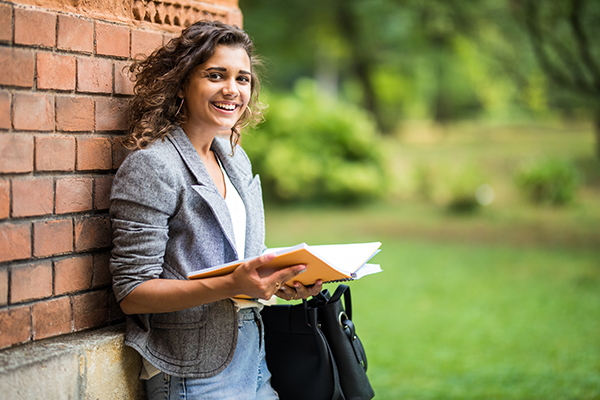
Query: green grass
{"type": "Point", "coordinates": [448, 319]}
{"type": "Point", "coordinates": [503, 303]}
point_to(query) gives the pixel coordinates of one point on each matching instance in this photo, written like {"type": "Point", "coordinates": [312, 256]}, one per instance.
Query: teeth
{"type": "Point", "coordinates": [225, 106]}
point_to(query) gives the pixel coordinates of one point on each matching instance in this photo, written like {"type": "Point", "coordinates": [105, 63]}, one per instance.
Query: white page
{"type": "Point", "coordinates": [367, 269]}
{"type": "Point", "coordinates": [347, 258]}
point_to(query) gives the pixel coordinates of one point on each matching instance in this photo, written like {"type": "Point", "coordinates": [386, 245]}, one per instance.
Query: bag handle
{"type": "Point", "coordinates": [345, 291]}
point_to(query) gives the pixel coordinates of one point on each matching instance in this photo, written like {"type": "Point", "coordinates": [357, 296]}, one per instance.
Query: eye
{"type": "Point", "coordinates": [214, 76]}
{"type": "Point", "coordinates": [244, 78]}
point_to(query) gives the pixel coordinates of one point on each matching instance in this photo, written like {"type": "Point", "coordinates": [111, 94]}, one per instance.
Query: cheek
{"type": "Point", "coordinates": [247, 95]}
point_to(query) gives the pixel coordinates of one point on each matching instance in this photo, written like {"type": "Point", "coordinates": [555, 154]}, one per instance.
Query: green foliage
{"type": "Point", "coordinates": [313, 147]}
{"type": "Point", "coordinates": [461, 187]}
{"type": "Point", "coordinates": [439, 60]}
{"type": "Point", "coordinates": [464, 189]}
{"type": "Point", "coordinates": [549, 181]}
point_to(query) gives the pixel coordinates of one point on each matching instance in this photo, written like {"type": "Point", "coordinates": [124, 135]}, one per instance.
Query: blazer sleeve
{"type": "Point", "coordinates": [143, 197]}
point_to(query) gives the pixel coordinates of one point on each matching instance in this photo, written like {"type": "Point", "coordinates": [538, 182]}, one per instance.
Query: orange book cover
{"type": "Point", "coordinates": [329, 263]}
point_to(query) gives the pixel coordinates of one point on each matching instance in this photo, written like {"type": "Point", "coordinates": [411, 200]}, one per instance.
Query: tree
{"type": "Point", "coordinates": [565, 38]}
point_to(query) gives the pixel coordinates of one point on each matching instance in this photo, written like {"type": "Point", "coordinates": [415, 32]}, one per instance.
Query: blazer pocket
{"type": "Point", "coordinates": [176, 336]}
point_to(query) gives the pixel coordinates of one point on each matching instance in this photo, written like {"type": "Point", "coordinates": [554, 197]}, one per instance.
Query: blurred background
{"type": "Point", "coordinates": [465, 136]}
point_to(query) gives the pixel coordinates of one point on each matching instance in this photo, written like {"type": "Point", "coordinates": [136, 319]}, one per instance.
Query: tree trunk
{"type": "Point", "coordinates": [597, 132]}
{"type": "Point", "coordinates": [361, 61]}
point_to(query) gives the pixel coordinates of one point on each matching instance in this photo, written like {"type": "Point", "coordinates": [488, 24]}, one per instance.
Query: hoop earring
{"type": "Point", "coordinates": [180, 105]}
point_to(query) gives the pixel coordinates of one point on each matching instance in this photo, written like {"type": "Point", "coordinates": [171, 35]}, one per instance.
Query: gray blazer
{"type": "Point", "coordinates": [169, 219]}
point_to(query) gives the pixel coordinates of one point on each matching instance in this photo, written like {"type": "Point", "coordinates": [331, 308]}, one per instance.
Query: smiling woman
{"type": "Point", "coordinates": [216, 94]}
{"type": "Point", "coordinates": [182, 202]}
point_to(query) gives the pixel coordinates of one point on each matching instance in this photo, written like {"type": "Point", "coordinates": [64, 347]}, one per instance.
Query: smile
{"type": "Point", "coordinates": [225, 106]}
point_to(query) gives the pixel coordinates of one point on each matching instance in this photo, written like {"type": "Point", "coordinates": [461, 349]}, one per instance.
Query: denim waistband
{"type": "Point", "coordinates": [248, 314]}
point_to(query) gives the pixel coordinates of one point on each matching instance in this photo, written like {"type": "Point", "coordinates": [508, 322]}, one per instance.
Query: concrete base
{"type": "Point", "coordinates": [93, 365]}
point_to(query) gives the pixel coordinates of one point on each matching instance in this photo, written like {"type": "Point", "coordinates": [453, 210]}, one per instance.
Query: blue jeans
{"type": "Point", "coordinates": [246, 378]}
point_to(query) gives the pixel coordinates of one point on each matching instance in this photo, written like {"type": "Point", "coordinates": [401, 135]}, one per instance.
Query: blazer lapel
{"type": "Point", "coordinates": [205, 187]}
{"type": "Point", "coordinates": [249, 189]}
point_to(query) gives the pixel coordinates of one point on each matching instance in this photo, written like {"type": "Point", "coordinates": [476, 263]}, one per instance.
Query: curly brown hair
{"type": "Point", "coordinates": [155, 109]}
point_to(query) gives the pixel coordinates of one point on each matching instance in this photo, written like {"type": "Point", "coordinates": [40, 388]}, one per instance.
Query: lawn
{"type": "Point", "coordinates": [500, 304]}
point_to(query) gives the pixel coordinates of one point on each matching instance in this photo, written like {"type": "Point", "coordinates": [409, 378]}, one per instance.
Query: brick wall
{"type": "Point", "coordinates": [63, 99]}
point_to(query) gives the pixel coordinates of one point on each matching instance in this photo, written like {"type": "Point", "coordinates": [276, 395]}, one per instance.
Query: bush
{"type": "Point", "coordinates": [467, 189]}
{"type": "Point", "coordinates": [549, 181]}
{"type": "Point", "coordinates": [313, 147]}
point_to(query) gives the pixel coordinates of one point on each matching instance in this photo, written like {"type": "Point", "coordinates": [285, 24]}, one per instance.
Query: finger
{"type": "Point", "coordinates": [288, 273]}
{"type": "Point", "coordinates": [286, 293]}
{"type": "Point", "coordinates": [260, 261]}
{"type": "Point", "coordinates": [291, 292]}
{"type": "Point", "coordinates": [302, 291]}
{"type": "Point", "coordinates": [316, 288]}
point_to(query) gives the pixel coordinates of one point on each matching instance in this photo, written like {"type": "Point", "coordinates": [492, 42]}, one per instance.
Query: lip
{"type": "Point", "coordinates": [225, 106]}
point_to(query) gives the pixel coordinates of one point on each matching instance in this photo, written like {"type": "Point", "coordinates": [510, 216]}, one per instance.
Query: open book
{"type": "Point", "coordinates": [331, 263]}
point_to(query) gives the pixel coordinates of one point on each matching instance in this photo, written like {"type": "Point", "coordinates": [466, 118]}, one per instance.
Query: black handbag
{"type": "Point", "coordinates": [313, 351]}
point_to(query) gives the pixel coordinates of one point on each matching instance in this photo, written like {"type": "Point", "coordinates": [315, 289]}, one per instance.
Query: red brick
{"type": "Point", "coordinates": [94, 75]}
{"type": "Point", "coordinates": [145, 42]}
{"type": "Point", "coordinates": [123, 84]}
{"type": "Point", "coordinates": [16, 153]}
{"type": "Point", "coordinates": [90, 310]}
{"type": "Point", "coordinates": [16, 326]}
{"type": "Point", "coordinates": [93, 153]}
{"type": "Point", "coordinates": [168, 36]}
{"type": "Point", "coordinates": [5, 110]}
{"type": "Point", "coordinates": [119, 152]}
{"type": "Point", "coordinates": [33, 112]}
{"type": "Point", "coordinates": [75, 34]}
{"type": "Point", "coordinates": [17, 66]}
{"type": "Point", "coordinates": [102, 275]}
{"type": "Point", "coordinates": [54, 153]}
{"type": "Point", "coordinates": [111, 114]}
{"type": "Point", "coordinates": [15, 242]}
{"type": "Point", "coordinates": [102, 188]}
{"type": "Point", "coordinates": [5, 22]}
{"type": "Point", "coordinates": [55, 71]}
{"type": "Point", "coordinates": [4, 199]}
{"type": "Point", "coordinates": [35, 27]}
{"type": "Point", "coordinates": [73, 195]}
{"type": "Point", "coordinates": [52, 237]}
{"type": "Point", "coordinates": [74, 114]}
{"type": "Point", "coordinates": [112, 40]}
{"type": "Point", "coordinates": [92, 233]}
{"type": "Point", "coordinates": [73, 274]}
{"type": "Point", "coordinates": [30, 282]}
{"type": "Point", "coordinates": [3, 287]}
{"type": "Point", "coordinates": [32, 197]}
{"type": "Point", "coordinates": [51, 318]}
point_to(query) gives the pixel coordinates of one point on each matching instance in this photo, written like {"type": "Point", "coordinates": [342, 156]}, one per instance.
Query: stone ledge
{"type": "Point", "coordinates": [89, 365]}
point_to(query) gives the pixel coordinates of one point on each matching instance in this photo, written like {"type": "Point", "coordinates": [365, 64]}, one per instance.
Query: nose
{"type": "Point", "coordinates": [230, 88]}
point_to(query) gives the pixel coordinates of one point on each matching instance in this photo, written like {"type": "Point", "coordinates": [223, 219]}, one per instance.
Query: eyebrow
{"type": "Point", "coordinates": [221, 69]}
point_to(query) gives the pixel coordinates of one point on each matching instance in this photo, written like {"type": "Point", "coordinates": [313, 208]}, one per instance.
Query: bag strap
{"type": "Point", "coordinates": [345, 291]}
{"type": "Point", "coordinates": [312, 321]}
{"type": "Point", "coordinates": [359, 350]}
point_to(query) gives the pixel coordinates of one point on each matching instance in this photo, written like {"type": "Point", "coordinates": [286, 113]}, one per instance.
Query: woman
{"type": "Point", "coordinates": [186, 200]}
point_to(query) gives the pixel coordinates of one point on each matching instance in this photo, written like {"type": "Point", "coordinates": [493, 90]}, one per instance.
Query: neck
{"type": "Point", "coordinates": [201, 140]}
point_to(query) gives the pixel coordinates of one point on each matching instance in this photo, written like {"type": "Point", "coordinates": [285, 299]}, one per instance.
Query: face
{"type": "Point", "coordinates": [218, 90]}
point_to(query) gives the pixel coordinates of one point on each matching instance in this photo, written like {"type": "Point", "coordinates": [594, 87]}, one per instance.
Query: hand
{"type": "Point", "coordinates": [251, 280]}
{"type": "Point", "coordinates": [299, 291]}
